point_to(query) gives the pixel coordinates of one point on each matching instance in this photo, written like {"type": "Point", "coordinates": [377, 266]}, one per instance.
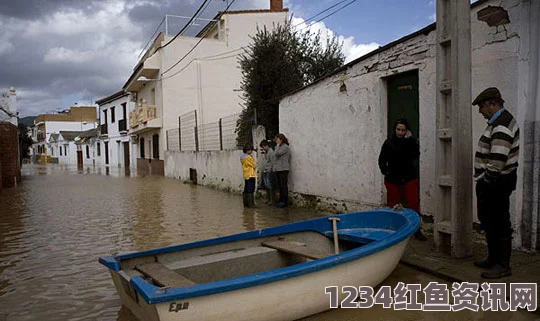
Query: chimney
{"type": "Point", "coordinates": [276, 5]}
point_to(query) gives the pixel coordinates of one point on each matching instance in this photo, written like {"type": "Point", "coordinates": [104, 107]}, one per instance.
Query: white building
{"type": "Point", "coordinates": [115, 147]}
{"type": "Point", "coordinates": [75, 119]}
{"type": "Point", "coordinates": [207, 80]}
{"type": "Point", "coordinates": [73, 147]}
{"type": "Point", "coordinates": [358, 104]}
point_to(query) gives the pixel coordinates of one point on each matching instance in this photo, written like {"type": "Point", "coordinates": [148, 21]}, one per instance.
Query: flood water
{"type": "Point", "coordinates": [59, 221]}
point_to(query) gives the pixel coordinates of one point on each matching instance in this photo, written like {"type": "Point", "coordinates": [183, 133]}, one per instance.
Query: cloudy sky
{"type": "Point", "coordinates": [59, 52]}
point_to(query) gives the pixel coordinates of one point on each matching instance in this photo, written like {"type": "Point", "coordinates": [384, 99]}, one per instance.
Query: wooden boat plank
{"type": "Point", "coordinates": [297, 248]}
{"type": "Point", "coordinates": [162, 276]}
{"type": "Point", "coordinates": [218, 257]}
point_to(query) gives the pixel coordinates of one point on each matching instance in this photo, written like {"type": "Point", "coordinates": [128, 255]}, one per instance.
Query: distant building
{"type": "Point", "coordinates": [74, 147]}
{"type": "Point", "coordinates": [75, 119]}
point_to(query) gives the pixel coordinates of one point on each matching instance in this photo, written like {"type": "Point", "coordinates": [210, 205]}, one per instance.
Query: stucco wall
{"type": "Point", "coordinates": [220, 169]}
{"type": "Point", "coordinates": [336, 136]}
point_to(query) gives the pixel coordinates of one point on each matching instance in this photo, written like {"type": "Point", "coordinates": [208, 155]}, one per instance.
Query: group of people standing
{"type": "Point", "coordinates": [495, 173]}
{"type": "Point", "coordinates": [274, 167]}
{"type": "Point", "coordinates": [496, 162]}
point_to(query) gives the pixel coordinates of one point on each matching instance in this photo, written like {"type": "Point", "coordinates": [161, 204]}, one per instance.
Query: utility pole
{"type": "Point", "coordinates": [453, 222]}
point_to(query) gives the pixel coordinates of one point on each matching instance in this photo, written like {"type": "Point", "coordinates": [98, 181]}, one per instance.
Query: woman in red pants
{"type": "Point", "coordinates": [396, 162]}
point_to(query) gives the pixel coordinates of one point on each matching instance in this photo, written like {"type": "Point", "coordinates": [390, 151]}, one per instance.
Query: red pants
{"type": "Point", "coordinates": [408, 191]}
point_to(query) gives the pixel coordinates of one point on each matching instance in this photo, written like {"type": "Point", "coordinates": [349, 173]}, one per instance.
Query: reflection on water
{"type": "Point", "coordinates": [55, 226]}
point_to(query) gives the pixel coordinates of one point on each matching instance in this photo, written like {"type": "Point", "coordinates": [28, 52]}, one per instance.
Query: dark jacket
{"type": "Point", "coordinates": [396, 160]}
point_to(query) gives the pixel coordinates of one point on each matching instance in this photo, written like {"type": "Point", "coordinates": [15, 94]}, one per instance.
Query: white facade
{"type": "Point", "coordinates": [114, 124]}
{"type": "Point", "coordinates": [207, 80]}
{"type": "Point", "coordinates": [336, 135]}
{"type": "Point", "coordinates": [64, 146]}
{"type": "Point", "coordinates": [55, 127]}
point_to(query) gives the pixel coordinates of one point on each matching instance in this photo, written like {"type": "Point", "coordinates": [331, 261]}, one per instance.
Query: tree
{"type": "Point", "coordinates": [25, 142]}
{"type": "Point", "coordinates": [275, 63]}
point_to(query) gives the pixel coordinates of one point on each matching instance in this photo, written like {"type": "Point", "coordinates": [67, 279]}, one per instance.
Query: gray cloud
{"type": "Point", "coordinates": [52, 49]}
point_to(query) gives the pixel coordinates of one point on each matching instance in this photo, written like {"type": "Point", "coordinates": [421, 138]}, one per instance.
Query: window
{"type": "Point", "coordinates": [60, 150]}
{"type": "Point", "coordinates": [98, 149]}
{"type": "Point", "coordinates": [124, 111]}
{"type": "Point", "coordinates": [87, 151]}
{"type": "Point", "coordinates": [52, 151]}
{"type": "Point", "coordinates": [66, 150]}
{"type": "Point", "coordinates": [105, 117]}
{"type": "Point", "coordinates": [112, 114]}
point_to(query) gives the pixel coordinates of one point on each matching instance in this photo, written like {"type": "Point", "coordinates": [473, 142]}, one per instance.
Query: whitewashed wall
{"type": "Point", "coordinates": [336, 137]}
{"type": "Point", "coordinates": [220, 169]}
{"type": "Point", "coordinates": [116, 154]}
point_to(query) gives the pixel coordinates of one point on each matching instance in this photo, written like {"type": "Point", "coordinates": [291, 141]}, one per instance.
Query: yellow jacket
{"type": "Point", "coordinates": [248, 166]}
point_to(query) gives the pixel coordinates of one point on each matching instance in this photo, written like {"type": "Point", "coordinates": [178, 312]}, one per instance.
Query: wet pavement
{"type": "Point", "coordinates": [60, 220]}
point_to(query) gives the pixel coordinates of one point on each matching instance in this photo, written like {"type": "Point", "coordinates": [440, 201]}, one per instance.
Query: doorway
{"type": "Point", "coordinates": [403, 102]}
{"type": "Point", "coordinates": [126, 154]}
{"type": "Point", "coordinates": [106, 145]}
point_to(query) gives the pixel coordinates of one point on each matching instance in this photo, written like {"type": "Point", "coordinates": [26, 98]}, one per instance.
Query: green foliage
{"type": "Point", "coordinates": [277, 62]}
{"type": "Point", "coordinates": [25, 142]}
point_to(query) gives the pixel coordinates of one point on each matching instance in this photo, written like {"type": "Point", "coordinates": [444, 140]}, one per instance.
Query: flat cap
{"type": "Point", "coordinates": [490, 93]}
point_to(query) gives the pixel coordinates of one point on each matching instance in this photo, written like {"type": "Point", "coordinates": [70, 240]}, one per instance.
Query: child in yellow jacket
{"type": "Point", "coordinates": [250, 175]}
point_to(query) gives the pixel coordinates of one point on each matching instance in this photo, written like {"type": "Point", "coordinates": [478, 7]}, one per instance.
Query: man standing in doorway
{"type": "Point", "coordinates": [495, 171]}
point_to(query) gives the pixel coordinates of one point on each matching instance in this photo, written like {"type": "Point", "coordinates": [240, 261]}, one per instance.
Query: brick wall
{"type": "Point", "coordinates": [9, 154]}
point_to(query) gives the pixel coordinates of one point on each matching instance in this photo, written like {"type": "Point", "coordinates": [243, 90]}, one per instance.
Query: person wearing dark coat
{"type": "Point", "coordinates": [396, 162]}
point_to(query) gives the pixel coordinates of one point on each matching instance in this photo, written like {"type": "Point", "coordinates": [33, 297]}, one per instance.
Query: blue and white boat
{"type": "Point", "coordinates": [277, 273]}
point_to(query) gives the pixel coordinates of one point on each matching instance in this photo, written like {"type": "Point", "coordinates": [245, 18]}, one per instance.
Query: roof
{"type": "Point", "coordinates": [116, 95]}
{"type": "Point", "coordinates": [77, 114]}
{"type": "Point", "coordinates": [424, 31]}
{"type": "Point", "coordinates": [71, 135]}
{"type": "Point", "coordinates": [54, 137]}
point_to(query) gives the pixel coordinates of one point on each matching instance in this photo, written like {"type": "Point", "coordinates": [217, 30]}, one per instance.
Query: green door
{"type": "Point", "coordinates": [403, 101]}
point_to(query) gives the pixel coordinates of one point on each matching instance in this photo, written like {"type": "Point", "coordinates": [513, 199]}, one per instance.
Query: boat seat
{"type": "Point", "coordinates": [163, 276]}
{"type": "Point", "coordinates": [297, 248]}
{"type": "Point", "coordinates": [363, 235]}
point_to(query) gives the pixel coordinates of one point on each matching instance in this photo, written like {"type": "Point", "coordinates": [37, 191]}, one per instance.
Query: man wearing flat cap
{"type": "Point", "coordinates": [495, 172]}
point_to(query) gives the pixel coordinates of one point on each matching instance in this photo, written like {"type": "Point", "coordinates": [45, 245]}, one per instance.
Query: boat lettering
{"type": "Point", "coordinates": [175, 307]}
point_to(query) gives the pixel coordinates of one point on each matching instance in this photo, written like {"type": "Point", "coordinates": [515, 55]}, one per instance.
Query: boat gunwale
{"type": "Point", "coordinates": [153, 294]}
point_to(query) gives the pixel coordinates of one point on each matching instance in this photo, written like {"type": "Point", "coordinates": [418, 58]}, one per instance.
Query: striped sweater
{"type": "Point", "coordinates": [498, 148]}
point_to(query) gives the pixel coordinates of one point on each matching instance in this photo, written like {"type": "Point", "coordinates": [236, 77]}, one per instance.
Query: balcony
{"type": "Point", "coordinates": [144, 118]}
{"type": "Point", "coordinates": [122, 126]}
{"type": "Point", "coordinates": [104, 130]}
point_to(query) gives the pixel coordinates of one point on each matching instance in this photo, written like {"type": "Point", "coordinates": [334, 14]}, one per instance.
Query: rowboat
{"type": "Point", "coordinates": [277, 273]}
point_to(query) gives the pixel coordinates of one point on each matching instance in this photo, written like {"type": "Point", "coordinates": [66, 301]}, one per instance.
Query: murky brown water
{"type": "Point", "coordinates": [55, 226]}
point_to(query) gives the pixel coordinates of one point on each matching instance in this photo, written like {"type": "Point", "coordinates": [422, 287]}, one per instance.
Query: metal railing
{"type": "Point", "coordinates": [189, 136]}
{"type": "Point", "coordinates": [142, 113]}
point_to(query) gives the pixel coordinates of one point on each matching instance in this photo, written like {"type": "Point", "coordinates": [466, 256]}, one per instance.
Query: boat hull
{"type": "Point", "coordinates": [287, 299]}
